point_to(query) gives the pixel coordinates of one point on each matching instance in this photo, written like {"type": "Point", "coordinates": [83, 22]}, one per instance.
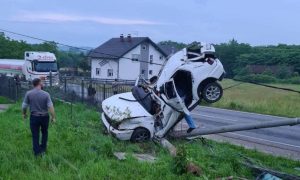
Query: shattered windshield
{"type": "Point", "coordinates": [45, 66]}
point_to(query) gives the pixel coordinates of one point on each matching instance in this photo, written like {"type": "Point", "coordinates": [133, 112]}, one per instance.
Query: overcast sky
{"type": "Point", "coordinates": [91, 22]}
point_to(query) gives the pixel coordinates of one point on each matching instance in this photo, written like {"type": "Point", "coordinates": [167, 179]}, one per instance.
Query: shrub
{"type": "Point", "coordinates": [261, 78]}
{"type": "Point", "coordinates": [180, 160]}
{"type": "Point", "coordinates": [283, 73]}
{"type": "Point", "coordinates": [293, 80]}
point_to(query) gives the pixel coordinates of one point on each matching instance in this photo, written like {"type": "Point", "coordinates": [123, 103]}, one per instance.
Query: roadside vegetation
{"type": "Point", "coordinates": [4, 100]}
{"type": "Point", "coordinates": [259, 99]}
{"type": "Point", "coordinates": [79, 150]}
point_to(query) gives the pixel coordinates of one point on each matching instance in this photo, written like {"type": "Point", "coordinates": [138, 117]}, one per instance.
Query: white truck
{"type": "Point", "coordinates": [41, 65]}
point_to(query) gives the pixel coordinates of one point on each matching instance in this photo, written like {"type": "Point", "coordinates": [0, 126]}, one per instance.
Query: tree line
{"type": "Point", "coordinates": [14, 49]}
{"type": "Point", "coordinates": [238, 58]}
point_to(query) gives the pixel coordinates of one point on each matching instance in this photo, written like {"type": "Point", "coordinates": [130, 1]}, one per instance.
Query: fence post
{"type": "Point", "coordinates": [16, 90]}
{"type": "Point", "coordinates": [82, 90]}
{"type": "Point", "coordinates": [104, 91]}
{"type": "Point", "coordinates": [65, 84]}
{"type": "Point", "coordinates": [9, 88]}
{"type": "Point", "coordinates": [50, 79]}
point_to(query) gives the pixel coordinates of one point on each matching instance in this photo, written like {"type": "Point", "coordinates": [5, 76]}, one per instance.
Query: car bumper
{"type": "Point", "coordinates": [120, 134]}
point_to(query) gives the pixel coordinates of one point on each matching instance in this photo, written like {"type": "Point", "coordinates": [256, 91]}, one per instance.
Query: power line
{"type": "Point", "coordinates": [79, 48]}
{"type": "Point", "coordinates": [74, 47]}
{"type": "Point", "coordinates": [259, 84]}
{"type": "Point", "coordinates": [269, 86]}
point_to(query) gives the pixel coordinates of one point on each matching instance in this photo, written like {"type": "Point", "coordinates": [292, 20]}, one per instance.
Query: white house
{"type": "Point", "coordinates": [127, 58]}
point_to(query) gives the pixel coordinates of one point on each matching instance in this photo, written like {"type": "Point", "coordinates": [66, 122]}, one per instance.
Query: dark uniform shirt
{"type": "Point", "coordinates": [38, 102]}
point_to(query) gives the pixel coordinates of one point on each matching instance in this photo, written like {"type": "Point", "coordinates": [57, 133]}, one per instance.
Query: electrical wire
{"type": "Point", "coordinates": [74, 47]}
{"type": "Point", "coordinates": [84, 49]}
{"type": "Point", "coordinates": [259, 84]}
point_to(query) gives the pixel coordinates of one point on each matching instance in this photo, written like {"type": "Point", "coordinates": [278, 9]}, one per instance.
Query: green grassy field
{"type": "Point", "coordinates": [259, 99]}
{"type": "Point", "coordinates": [79, 150]}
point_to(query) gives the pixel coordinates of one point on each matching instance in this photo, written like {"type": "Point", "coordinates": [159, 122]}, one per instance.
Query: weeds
{"type": "Point", "coordinates": [180, 160]}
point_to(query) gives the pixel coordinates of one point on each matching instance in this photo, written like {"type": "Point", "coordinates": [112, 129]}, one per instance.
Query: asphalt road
{"type": "Point", "coordinates": [282, 141]}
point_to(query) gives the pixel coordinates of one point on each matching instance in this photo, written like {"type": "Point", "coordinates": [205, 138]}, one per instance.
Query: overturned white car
{"type": "Point", "coordinates": [153, 108]}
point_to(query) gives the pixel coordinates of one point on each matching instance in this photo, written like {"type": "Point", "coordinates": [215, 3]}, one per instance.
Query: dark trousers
{"type": "Point", "coordinates": [37, 124]}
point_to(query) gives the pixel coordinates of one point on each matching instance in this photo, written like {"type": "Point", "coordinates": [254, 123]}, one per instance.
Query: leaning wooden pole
{"type": "Point", "coordinates": [170, 147]}
{"type": "Point", "coordinates": [236, 127]}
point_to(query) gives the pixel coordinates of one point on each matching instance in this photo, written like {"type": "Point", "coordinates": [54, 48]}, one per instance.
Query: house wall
{"type": "Point", "coordinates": [112, 64]}
{"type": "Point", "coordinates": [129, 69]}
{"type": "Point", "coordinates": [144, 60]}
{"type": "Point", "coordinates": [126, 68]}
{"type": "Point", "coordinates": [154, 67]}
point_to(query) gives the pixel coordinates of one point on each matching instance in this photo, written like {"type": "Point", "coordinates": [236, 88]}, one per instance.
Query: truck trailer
{"type": "Point", "coordinates": [41, 65]}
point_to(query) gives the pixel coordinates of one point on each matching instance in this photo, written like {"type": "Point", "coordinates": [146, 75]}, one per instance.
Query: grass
{"type": "Point", "coordinates": [79, 150]}
{"type": "Point", "coordinates": [4, 100]}
{"type": "Point", "coordinates": [259, 99]}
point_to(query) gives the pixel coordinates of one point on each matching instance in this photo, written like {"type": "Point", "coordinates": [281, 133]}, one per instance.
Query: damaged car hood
{"type": "Point", "coordinates": [123, 106]}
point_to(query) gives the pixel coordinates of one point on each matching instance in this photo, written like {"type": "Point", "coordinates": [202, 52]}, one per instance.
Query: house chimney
{"type": "Point", "coordinates": [129, 37]}
{"type": "Point", "coordinates": [121, 38]}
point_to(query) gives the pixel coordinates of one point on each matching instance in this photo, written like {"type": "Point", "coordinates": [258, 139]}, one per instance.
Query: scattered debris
{"type": "Point", "coordinates": [267, 176]}
{"type": "Point", "coordinates": [139, 157]}
{"type": "Point", "coordinates": [259, 170]}
{"type": "Point", "coordinates": [144, 157]}
{"type": "Point", "coordinates": [120, 155]}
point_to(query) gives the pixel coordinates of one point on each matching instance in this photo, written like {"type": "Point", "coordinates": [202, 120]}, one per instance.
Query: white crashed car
{"type": "Point", "coordinates": [153, 108]}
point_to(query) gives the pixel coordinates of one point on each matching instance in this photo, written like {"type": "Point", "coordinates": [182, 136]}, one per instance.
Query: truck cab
{"type": "Point", "coordinates": [41, 65]}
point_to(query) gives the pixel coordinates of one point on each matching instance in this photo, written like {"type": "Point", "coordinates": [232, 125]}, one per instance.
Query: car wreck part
{"type": "Point", "coordinates": [140, 135]}
{"type": "Point", "coordinates": [170, 117]}
{"type": "Point", "coordinates": [187, 76]}
{"type": "Point", "coordinates": [212, 92]}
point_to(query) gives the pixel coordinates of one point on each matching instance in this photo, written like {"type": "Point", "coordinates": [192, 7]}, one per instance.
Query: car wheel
{"type": "Point", "coordinates": [212, 92]}
{"type": "Point", "coordinates": [140, 135]}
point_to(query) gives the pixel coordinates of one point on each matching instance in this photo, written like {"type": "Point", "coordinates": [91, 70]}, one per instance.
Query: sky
{"type": "Point", "coordinates": [89, 23]}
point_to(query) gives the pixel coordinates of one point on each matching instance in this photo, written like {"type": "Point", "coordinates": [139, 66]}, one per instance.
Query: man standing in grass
{"type": "Point", "coordinates": [39, 103]}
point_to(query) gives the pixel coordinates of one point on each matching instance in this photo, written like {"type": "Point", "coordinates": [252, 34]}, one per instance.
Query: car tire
{"type": "Point", "coordinates": [140, 135]}
{"type": "Point", "coordinates": [212, 92]}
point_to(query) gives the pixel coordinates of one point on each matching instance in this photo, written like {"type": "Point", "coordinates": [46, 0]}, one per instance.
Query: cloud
{"type": "Point", "coordinates": [61, 18]}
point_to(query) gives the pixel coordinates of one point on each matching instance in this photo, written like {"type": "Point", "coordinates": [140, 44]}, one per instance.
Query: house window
{"type": "Point", "coordinates": [144, 47]}
{"type": "Point", "coordinates": [110, 72]}
{"type": "Point", "coordinates": [135, 57]}
{"type": "Point", "coordinates": [98, 71]}
{"type": "Point", "coordinates": [150, 72]}
{"type": "Point", "coordinates": [151, 59]}
{"type": "Point", "coordinates": [143, 71]}
{"type": "Point", "coordinates": [161, 57]}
